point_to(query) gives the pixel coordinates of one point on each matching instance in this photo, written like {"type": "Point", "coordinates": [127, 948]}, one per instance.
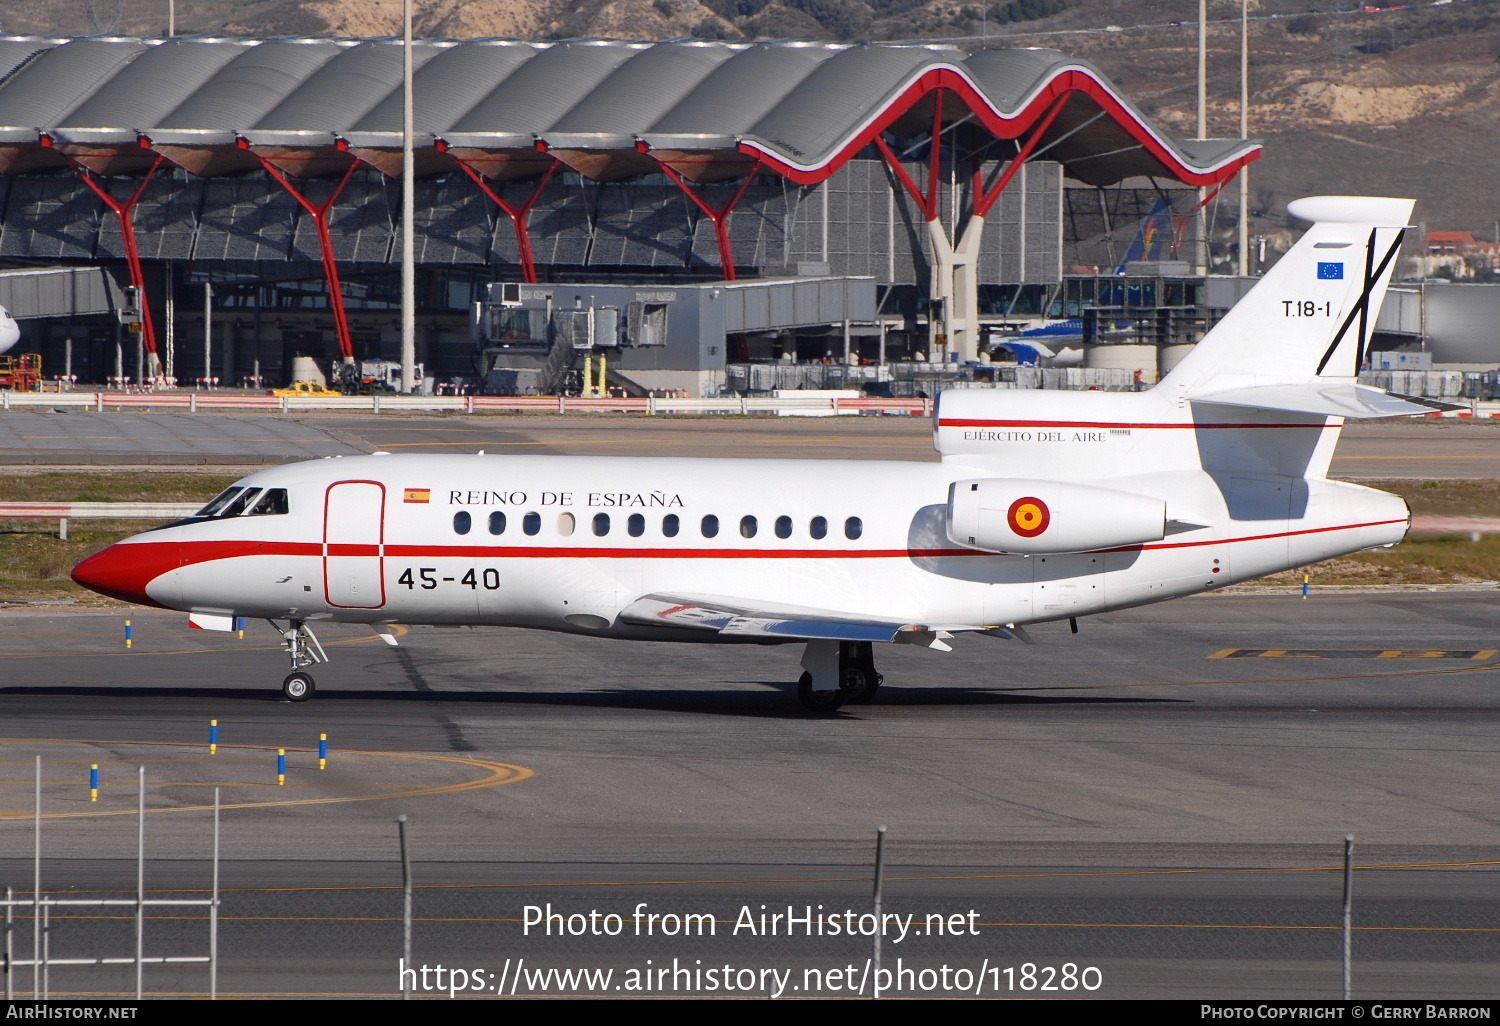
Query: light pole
{"type": "Point", "coordinates": [1244, 135]}
{"type": "Point", "coordinates": [1202, 253]}
{"type": "Point", "coordinates": [408, 212]}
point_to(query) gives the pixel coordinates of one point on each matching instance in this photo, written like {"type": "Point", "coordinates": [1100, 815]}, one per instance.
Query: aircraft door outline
{"type": "Point", "coordinates": [354, 519]}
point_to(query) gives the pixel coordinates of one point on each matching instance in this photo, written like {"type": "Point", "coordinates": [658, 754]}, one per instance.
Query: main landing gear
{"type": "Point", "coordinates": [844, 669]}
{"type": "Point", "coordinates": [302, 645]}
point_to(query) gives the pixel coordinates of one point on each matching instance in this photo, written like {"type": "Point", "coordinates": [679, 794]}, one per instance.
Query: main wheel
{"type": "Point", "coordinates": [298, 687]}
{"type": "Point", "coordinates": [818, 701]}
{"type": "Point", "coordinates": [858, 685]}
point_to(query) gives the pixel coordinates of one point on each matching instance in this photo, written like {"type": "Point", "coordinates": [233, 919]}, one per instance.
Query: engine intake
{"type": "Point", "coordinates": [1041, 517]}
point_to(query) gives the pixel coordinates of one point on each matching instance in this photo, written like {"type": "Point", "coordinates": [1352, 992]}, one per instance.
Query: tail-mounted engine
{"type": "Point", "coordinates": [1041, 517]}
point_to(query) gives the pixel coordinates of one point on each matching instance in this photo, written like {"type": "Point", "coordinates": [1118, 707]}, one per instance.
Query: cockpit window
{"type": "Point", "coordinates": [223, 499]}
{"type": "Point", "coordinates": [240, 503]}
{"type": "Point", "coordinates": [272, 503]}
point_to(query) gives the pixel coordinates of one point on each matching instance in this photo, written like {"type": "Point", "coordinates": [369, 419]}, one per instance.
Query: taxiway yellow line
{"type": "Point", "coordinates": [499, 774]}
{"type": "Point", "coordinates": [1264, 681]}
{"type": "Point", "coordinates": [396, 631]}
{"type": "Point", "coordinates": [958, 877]}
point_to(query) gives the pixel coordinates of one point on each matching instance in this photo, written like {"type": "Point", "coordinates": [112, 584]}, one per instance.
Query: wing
{"type": "Point", "coordinates": [751, 619]}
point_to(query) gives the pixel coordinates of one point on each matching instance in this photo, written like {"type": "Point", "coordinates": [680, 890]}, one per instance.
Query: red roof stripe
{"type": "Point", "coordinates": [1072, 80]}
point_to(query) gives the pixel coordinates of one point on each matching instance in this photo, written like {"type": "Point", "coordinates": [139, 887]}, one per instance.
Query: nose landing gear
{"type": "Point", "coordinates": [302, 646]}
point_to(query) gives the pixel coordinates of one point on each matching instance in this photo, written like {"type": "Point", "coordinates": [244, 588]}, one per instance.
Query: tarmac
{"type": "Point", "coordinates": [1195, 763]}
{"type": "Point", "coordinates": [240, 442]}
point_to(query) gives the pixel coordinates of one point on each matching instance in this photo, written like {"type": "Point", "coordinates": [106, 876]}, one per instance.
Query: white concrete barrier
{"type": "Point", "coordinates": [804, 403]}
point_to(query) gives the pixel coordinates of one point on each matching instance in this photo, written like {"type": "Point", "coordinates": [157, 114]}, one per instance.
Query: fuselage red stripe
{"type": "Point", "coordinates": [1256, 537]}
{"type": "Point", "coordinates": [963, 422]}
{"type": "Point", "coordinates": [204, 552]}
{"type": "Point", "coordinates": [353, 550]}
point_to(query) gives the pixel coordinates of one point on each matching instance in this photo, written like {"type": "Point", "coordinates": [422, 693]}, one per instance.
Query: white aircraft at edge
{"type": "Point", "coordinates": [1047, 505]}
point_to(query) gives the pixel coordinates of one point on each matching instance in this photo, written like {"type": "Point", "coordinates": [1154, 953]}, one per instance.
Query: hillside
{"type": "Point", "coordinates": [1392, 102]}
{"type": "Point", "coordinates": [1339, 108]}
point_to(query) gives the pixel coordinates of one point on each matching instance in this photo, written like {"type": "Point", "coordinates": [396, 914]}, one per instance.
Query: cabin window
{"type": "Point", "coordinates": [669, 525]}
{"type": "Point", "coordinates": [531, 523]}
{"type": "Point", "coordinates": [748, 527]}
{"type": "Point", "coordinates": [783, 527]}
{"type": "Point", "coordinates": [601, 524]}
{"type": "Point", "coordinates": [221, 500]}
{"type": "Point", "coordinates": [636, 525]}
{"type": "Point", "coordinates": [462, 521]}
{"type": "Point", "coordinates": [497, 522]}
{"type": "Point", "coordinates": [853, 528]}
{"type": "Point", "coordinates": [566, 524]}
{"type": "Point", "coordinates": [273, 502]}
{"type": "Point", "coordinates": [818, 528]}
{"type": "Point", "coordinates": [710, 526]}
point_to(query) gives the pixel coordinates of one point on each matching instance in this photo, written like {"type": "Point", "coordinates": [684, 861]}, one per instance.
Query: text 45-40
{"type": "Point", "coordinates": [426, 578]}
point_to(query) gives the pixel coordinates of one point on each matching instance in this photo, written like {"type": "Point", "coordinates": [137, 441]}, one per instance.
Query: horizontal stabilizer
{"type": "Point", "coordinates": [1327, 399]}
{"type": "Point", "coordinates": [734, 617]}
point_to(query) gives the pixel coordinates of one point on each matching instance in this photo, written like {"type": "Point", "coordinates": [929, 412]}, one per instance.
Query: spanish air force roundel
{"type": "Point", "coordinates": [1028, 516]}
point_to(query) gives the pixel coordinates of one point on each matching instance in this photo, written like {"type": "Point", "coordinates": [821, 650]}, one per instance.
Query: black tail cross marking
{"type": "Point", "coordinates": [1361, 308]}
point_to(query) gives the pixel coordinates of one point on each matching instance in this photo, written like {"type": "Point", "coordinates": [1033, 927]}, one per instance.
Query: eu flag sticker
{"type": "Point", "coordinates": [1330, 271]}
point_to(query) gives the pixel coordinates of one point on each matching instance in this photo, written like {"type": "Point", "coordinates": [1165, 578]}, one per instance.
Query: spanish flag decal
{"type": "Point", "coordinates": [417, 495]}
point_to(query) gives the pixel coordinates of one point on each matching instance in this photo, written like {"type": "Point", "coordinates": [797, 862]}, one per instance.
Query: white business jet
{"type": "Point", "coordinates": [1047, 506]}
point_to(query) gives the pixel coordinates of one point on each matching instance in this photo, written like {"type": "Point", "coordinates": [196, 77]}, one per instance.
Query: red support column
{"type": "Point", "coordinates": [125, 211]}
{"type": "Point", "coordinates": [984, 199]}
{"type": "Point", "coordinates": [518, 215]}
{"type": "Point", "coordinates": [319, 212]}
{"type": "Point", "coordinates": [928, 202]}
{"type": "Point", "coordinates": [929, 210]}
{"type": "Point", "coordinates": [955, 254]}
{"type": "Point", "coordinates": [718, 215]}
{"type": "Point", "coordinates": [935, 156]}
{"type": "Point", "coordinates": [1180, 223]}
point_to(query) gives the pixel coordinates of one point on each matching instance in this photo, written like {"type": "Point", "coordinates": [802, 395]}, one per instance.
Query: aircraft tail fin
{"type": "Point", "coordinates": [1312, 315]}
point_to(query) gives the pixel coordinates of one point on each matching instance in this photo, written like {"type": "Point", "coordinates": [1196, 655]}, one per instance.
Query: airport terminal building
{"type": "Point", "coordinates": [253, 187]}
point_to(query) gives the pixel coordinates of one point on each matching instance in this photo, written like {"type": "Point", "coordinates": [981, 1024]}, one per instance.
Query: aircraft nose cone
{"type": "Point", "coordinates": [123, 572]}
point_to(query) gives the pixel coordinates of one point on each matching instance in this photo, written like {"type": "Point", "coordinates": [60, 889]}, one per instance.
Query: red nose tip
{"type": "Point", "coordinates": [123, 571]}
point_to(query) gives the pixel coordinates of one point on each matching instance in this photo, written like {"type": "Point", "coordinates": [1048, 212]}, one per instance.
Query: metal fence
{"type": "Point", "coordinates": [349, 940]}
{"type": "Point", "coordinates": [124, 949]}
{"type": "Point", "coordinates": [880, 928]}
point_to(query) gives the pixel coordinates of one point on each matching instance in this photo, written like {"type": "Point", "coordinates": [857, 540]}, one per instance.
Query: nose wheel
{"type": "Point", "coordinates": [298, 687]}
{"type": "Point", "coordinates": [302, 646]}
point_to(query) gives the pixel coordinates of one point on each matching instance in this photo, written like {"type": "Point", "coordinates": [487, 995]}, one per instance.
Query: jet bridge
{"type": "Point", "coordinates": [657, 336]}
{"type": "Point", "coordinates": [60, 292]}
